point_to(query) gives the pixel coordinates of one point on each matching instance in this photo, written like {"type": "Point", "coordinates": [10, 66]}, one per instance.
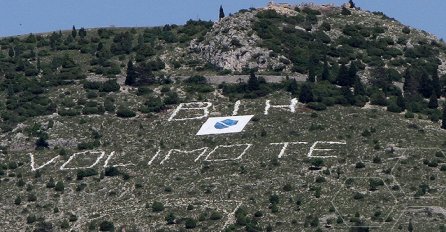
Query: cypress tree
{"type": "Point", "coordinates": [410, 84]}
{"type": "Point", "coordinates": [306, 94]}
{"type": "Point", "coordinates": [343, 76]}
{"type": "Point", "coordinates": [359, 88]}
{"type": "Point", "coordinates": [74, 32]}
{"type": "Point", "coordinates": [292, 87]}
{"type": "Point", "coordinates": [410, 226]}
{"type": "Point", "coordinates": [131, 74]}
{"type": "Point", "coordinates": [311, 75]}
{"type": "Point", "coordinates": [433, 101]}
{"type": "Point", "coordinates": [253, 82]}
{"type": "Point", "coordinates": [352, 4]}
{"type": "Point", "coordinates": [222, 13]}
{"type": "Point", "coordinates": [425, 87]}
{"type": "Point", "coordinates": [443, 121]}
{"type": "Point", "coordinates": [348, 95]}
{"type": "Point", "coordinates": [401, 102]}
{"type": "Point", "coordinates": [352, 74]}
{"type": "Point", "coordinates": [82, 32]}
{"type": "Point", "coordinates": [11, 52]}
{"type": "Point", "coordinates": [325, 72]}
{"type": "Point", "coordinates": [436, 83]}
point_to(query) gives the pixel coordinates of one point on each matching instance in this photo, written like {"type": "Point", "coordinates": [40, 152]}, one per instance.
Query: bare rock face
{"type": "Point", "coordinates": [233, 45]}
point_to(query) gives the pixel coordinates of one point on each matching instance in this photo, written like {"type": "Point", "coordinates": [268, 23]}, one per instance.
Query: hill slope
{"type": "Point", "coordinates": [99, 126]}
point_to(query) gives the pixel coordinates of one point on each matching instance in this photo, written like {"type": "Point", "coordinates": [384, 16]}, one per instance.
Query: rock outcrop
{"type": "Point", "coordinates": [233, 45]}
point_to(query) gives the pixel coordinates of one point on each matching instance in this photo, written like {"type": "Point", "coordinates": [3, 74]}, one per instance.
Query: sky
{"type": "Point", "coordinates": [34, 16]}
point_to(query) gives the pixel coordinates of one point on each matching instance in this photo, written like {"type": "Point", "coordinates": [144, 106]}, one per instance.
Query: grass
{"type": "Point", "coordinates": [222, 186]}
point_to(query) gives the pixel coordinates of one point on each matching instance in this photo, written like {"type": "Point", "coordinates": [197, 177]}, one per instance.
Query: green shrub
{"type": "Point", "coordinates": [157, 206]}
{"type": "Point", "coordinates": [190, 223]}
{"type": "Point", "coordinates": [319, 106]}
{"type": "Point", "coordinates": [106, 226]}
{"type": "Point", "coordinates": [111, 171]}
{"type": "Point", "coordinates": [86, 173]}
{"type": "Point", "coordinates": [125, 113]}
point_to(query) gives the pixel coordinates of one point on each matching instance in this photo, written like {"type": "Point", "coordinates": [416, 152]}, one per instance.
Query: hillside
{"type": "Point", "coordinates": [99, 126]}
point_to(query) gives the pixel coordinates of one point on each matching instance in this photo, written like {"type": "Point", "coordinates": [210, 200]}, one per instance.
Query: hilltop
{"type": "Point", "coordinates": [99, 126]}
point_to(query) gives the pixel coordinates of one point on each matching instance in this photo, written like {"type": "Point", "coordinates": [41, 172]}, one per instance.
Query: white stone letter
{"type": "Point", "coordinates": [291, 106]}
{"type": "Point", "coordinates": [191, 106]}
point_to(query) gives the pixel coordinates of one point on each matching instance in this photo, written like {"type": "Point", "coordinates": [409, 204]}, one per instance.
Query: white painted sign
{"type": "Point", "coordinates": [224, 125]}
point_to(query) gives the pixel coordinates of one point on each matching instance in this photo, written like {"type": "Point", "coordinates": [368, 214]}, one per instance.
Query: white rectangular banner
{"type": "Point", "coordinates": [224, 125]}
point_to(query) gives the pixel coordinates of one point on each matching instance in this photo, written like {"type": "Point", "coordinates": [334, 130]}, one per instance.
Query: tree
{"type": "Point", "coordinates": [343, 76]}
{"type": "Point", "coordinates": [59, 186]}
{"type": "Point", "coordinates": [11, 52]}
{"type": "Point", "coordinates": [352, 4]}
{"type": "Point", "coordinates": [436, 83]}
{"type": "Point", "coordinates": [292, 87]}
{"type": "Point", "coordinates": [170, 218]}
{"type": "Point", "coordinates": [131, 74]}
{"type": "Point", "coordinates": [106, 226]}
{"type": "Point", "coordinates": [41, 143]}
{"type": "Point", "coordinates": [443, 123]}
{"type": "Point", "coordinates": [253, 82]}
{"type": "Point", "coordinates": [311, 75]}
{"type": "Point", "coordinates": [410, 227]}
{"type": "Point", "coordinates": [433, 101]}
{"type": "Point", "coordinates": [359, 89]}
{"type": "Point", "coordinates": [157, 206]}
{"type": "Point", "coordinates": [74, 32]}
{"type": "Point", "coordinates": [352, 74]}
{"type": "Point", "coordinates": [410, 86]}
{"type": "Point", "coordinates": [222, 13]}
{"type": "Point", "coordinates": [306, 94]}
{"type": "Point", "coordinates": [82, 32]}
{"type": "Point", "coordinates": [325, 72]}
{"type": "Point", "coordinates": [190, 223]}
{"type": "Point", "coordinates": [345, 11]}
{"type": "Point", "coordinates": [425, 87]}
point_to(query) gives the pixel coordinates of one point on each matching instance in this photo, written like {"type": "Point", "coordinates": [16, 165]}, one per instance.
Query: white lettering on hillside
{"type": "Point", "coordinates": [228, 146]}
{"type": "Point", "coordinates": [203, 149]}
{"type": "Point", "coordinates": [236, 108]}
{"type": "Point", "coordinates": [33, 164]}
{"type": "Point", "coordinates": [98, 159]}
{"type": "Point", "coordinates": [313, 148]}
{"type": "Point", "coordinates": [291, 106]}
{"type": "Point", "coordinates": [285, 146]}
{"type": "Point", "coordinates": [115, 165]}
{"type": "Point", "coordinates": [191, 106]}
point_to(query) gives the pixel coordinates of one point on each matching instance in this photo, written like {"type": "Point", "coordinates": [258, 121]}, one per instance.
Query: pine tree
{"type": "Point", "coordinates": [131, 74]}
{"type": "Point", "coordinates": [74, 32]}
{"type": "Point", "coordinates": [343, 76]}
{"type": "Point", "coordinates": [306, 94]}
{"type": "Point", "coordinates": [222, 13]}
{"type": "Point", "coordinates": [443, 123]}
{"type": "Point", "coordinates": [325, 72]}
{"type": "Point", "coordinates": [433, 101]}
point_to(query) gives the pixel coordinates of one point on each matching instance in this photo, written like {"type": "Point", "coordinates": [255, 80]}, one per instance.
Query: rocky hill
{"type": "Point", "coordinates": [345, 130]}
